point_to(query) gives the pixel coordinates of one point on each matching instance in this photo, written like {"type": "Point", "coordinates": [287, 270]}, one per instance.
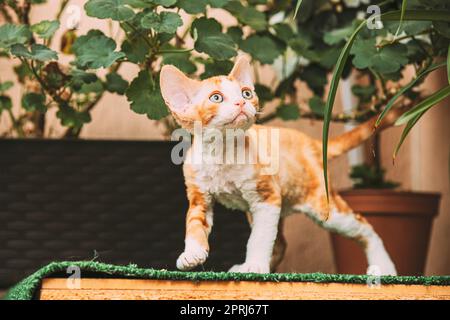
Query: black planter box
{"type": "Point", "coordinates": [115, 201]}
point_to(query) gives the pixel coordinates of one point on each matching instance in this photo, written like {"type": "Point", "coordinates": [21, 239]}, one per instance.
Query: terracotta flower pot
{"type": "Point", "coordinates": [402, 219]}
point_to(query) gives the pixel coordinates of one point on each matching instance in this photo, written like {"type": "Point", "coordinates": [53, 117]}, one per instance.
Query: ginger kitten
{"type": "Point", "coordinates": [229, 102]}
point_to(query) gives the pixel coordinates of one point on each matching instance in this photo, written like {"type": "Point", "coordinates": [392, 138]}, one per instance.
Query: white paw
{"type": "Point", "coordinates": [251, 267]}
{"type": "Point", "coordinates": [385, 269]}
{"type": "Point", "coordinates": [193, 255]}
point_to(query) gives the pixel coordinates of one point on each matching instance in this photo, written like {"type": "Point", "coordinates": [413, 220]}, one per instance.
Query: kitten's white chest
{"type": "Point", "coordinates": [226, 183]}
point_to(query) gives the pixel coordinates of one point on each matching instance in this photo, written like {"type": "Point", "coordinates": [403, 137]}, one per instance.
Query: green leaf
{"type": "Point", "coordinates": [115, 83]}
{"type": "Point", "coordinates": [264, 93]}
{"type": "Point", "coordinates": [193, 7]}
{"type": "Point", "coordinates": [4, 86]}
{"type": "Point", "coordinates": [72, 118]}
{"type": "Point", "coordinates": [80, 77]}
{"type": "Point", "coordinates": [22, 71]}
{"type": "Point", "coordinates": [135, 50]}
{"type": "Point", "coordinates": [301, 42]}
{"type": "Point", "coordinates": [212, 41]}
{"type": "Point", "coordinates": [404, 89]}
{"type": "Point", "coordinates": [34, 102]}
{"type": "Point", "coordinates": [337, 35]}
{"type": "Point", "coordinates": [219, 46]}
{"type": "Point", "coordinates": [390, 58]}
{"type": "Point", "coordinates": [288, 112]}
{"type": "Point", "coordinates": [145, 96]}
{"type": "Point", "coordinates": [424, 105]}
{"type": "Point", "coordinates": [387, 59]}
{"type": "Point", "coordinates": [216, 68]}
{"type": "Point", "coordinates": [317, 106]}
{"type": "Point", "coordinates": [45, 29]}
{"type": "Point", "coordinates": [247, 15]}
{"type": "Point", "coordinates": [116, 10]}
{"type": "Point", "coordinates": [363, 51]}
{"type": "Point", "coordinates": [54, 76]}
{"type": "Point", "coordinates": [236, 34]}
{"type": "Point", "coordinates": [167, 22]}
{"type": "Point", "coordinates": [218, 3]}
{"type": "Point", "coordinates": [315, 77]}
{"type": "Point", "coordinates": [205, 26]}
{"type": "Point", "coordinates": [261, 48]}
{"type": "Point", "coordinates": [283, 31]}
{"type": "Point", "coordinates": [165, 3]}
{"type": "Point", "coordinates": [142, 4]}
{"type": "Point", "coordinates": [13, 34]}
{"type": "Point", "coordinates": [95, 50]}
{"type": "Point", "coordinates": [364, 93]}
{"type": "Point", "coordinates": [181, 61]}
{"type": "Point", "coordinates": [5, 103]}
{"type": "Point", "coordinates": [38, 52]}
{"type": "Point", "coordinates": [443, 28]}
{"type": "Point", "coordinates": [409, 27]}
{"type": "Point", "coordinates": [96, 87]}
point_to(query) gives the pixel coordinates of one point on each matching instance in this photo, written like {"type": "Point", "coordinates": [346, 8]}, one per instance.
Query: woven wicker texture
{"type": "Point", "coordinates": [123, 201]}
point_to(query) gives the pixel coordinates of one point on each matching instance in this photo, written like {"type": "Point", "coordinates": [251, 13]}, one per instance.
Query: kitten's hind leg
{"type": "Point", "coordinates": [279, 248]}
{"type": "Point", "coordinates": [343, 221]}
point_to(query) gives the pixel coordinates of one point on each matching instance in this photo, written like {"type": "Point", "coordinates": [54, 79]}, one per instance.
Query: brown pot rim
{"type": "Point", "coordinates": [392, 202]}
{"type": "Point", "coordinates": [388, 192]}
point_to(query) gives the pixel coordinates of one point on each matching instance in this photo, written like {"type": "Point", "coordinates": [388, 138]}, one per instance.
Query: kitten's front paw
{"type": "Point", "coordinates": [251, 267]}
{"type": "Point", "coordinates": [387, 269]}
{"type": "Point", "coordinates": [193, 255]}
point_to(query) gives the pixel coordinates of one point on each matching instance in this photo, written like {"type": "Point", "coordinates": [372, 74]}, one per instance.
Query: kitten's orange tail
{"type": "Point", "coordinates": [361, 133]}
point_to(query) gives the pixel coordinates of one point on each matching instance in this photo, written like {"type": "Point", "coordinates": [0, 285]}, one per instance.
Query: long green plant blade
{"type": "Point", "coordinates": [297, 7]}
{"type": "Point", "coordinates": [402, 16]}
{"type": "Point", "coordinates": [406, 88]}
{"type": "Point", "coordinates": [331, 97]}
{"type": "Point", "coordinates": [424, 105]}
{"type": "Point", "coordinates": [411, 123]}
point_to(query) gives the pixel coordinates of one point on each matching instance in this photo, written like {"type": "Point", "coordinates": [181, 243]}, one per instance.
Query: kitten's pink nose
{"type": "Point", "coordinates": [240, 104]}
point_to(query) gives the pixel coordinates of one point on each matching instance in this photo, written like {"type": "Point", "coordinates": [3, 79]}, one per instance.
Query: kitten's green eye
{"type": "Point", "coordinates": [247, 94]}
{"type": "Point", "coordinates": [216, 98]}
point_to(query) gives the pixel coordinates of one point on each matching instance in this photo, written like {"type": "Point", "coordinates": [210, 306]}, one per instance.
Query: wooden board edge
{"type": "Point", "coordinates": [130, 289]}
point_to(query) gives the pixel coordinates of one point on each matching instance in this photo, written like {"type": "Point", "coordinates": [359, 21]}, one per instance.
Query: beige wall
{"type": "Point", "coordinates": [422, 165]}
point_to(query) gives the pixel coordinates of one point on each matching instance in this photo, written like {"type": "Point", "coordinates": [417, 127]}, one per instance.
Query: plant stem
{"type": "Point", "coordinates": [174, 51]}
{"type": "Point", "coordinates": [382, 82]}
{"type": "Point", "coordinates": [150, 45]}
{"type": "Point", "coordinates": [16, 124]}
{"type": "Point", "coordinates": [404, 37]}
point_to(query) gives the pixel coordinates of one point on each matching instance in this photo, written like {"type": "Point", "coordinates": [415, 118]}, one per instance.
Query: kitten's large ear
{"type": "Point", "coordinates": [242, 71]}
{"type": "Point", "coordinates": [177, 89]}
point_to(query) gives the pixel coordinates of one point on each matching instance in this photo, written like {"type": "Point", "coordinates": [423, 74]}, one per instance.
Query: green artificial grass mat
{"type": "Point", "coordinates": [26, 289]}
